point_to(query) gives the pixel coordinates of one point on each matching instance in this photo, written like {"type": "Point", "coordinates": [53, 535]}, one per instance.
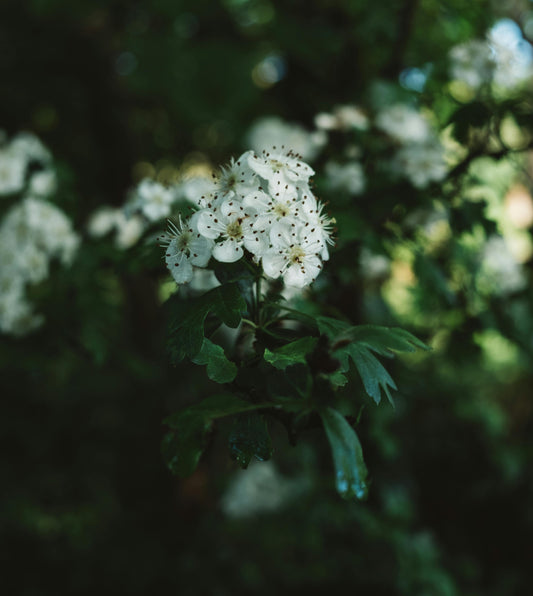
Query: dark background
{"type": "Point", "coordinates": [88, 505]}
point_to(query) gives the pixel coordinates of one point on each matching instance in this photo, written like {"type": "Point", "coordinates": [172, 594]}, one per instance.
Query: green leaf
{"type": "Point", "coordinates": [350, 468]}
{"type": "Point", "coordinates": [219, 368]}
{"type": "Point", "coordinates": [292, 353]}
{"type": "Point", "coordinates": [385, 340]}
{"type": "Point", "coordinates": [183, 446]}
{"type": "Point", "coordinates": [330, 327]}
{"type": "Point", "coordinates": [249, 438]}
{"type": "Point", "coordinates": [372, 372]}
{"type": "Point", "coordinates": [358, 342]}
{"type": "Point", "coordinates": [186, 333]}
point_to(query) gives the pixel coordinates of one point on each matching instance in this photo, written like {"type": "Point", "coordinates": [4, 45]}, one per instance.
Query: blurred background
{"type": "Point", "coordinates": [417, 116]}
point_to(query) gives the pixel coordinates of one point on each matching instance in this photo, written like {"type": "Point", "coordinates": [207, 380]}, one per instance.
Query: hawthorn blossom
{"type": "Point", "coordinates": [12, 172]}
{"type": "Point", "coordinates": [153, 199]}
{"type": "Point", "coordinates": [404, 124]}
{"type": "Point", "coordinates": [236, 179]}
{"type": "Point", "coordinates": [280, 169]}
{"type": "Point", "coordinates": [185, 247]}
{"type": "Point", "coordinates": [293, 255]}
{"type": "Point", "coordinates": [231, 225]}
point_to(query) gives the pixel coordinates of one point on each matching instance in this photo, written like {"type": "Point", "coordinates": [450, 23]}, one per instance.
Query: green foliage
{"type": "Point", "coordinates": [292, 353]}
{"type": "Point", "coordinates": [219, 368]}
{"type": "Point", "coordinates": [185, 443]}
{"type": "Point", "coordinates": [186, 333]}
{"type": "Point", "coordinates": [249, 438]}
{"type": "Point", "coordinates": [358, 343]}
{"type": "Point", "coordinates": [350, 468]}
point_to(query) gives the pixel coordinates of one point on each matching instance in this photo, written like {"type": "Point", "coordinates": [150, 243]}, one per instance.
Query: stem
{"type": "Point", "coordinates": [297, 312]}
{"type": "Point", "coordinates": [258, 300]}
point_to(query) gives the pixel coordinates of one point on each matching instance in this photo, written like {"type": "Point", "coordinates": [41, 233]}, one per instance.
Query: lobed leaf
{"type": "Point", "coordinates": [186, 333]}
{"type": "Point", "coordinates": [219, 368]}
{"type": "Point", "coordinates": [292, 353]}
{"type": "Point", "coordinates": [187, 440]}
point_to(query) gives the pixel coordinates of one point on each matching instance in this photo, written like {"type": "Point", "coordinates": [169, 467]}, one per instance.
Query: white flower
{"type": "Point", "coordinates": [346, 117]}
{"type": "Point", "coordinates": [349, 177]}
{"type": "Point", "coordinates": [129, 229]}
{"type": "Point", "coordinates": [153, 199]}
{"type": "Point", "coordinates": [281, 170]}
{"type": "Point", "coordinates": [43, 183]}
{"type": "Point", "coordinates": [472, 63]}
{"type": "Point", "coordinates": [294, 255]}
{"type": "Point", "coordinates": [500, 273]}
{"type": "Point", "coordinates": [271, 131]}
{"type": "Point", "coordinates": [259, 489]}
{"type": "Point", "coordinates": [27, 146]}
{"type": "Point", "coordinates": [317, 224]}
{"type": "Point", "coordinates": [422, 163]}
{"type": "Point", "coordinates": [236, 178]}
{"type": "Point", "coordinates": [282, 207]}
{"type": "Point", "coordinates": [185, 247]}
{"type": "Point", "coordinates": [12, 172]}
{"type": "Point", "coordinates": [199, 190]}
{"type": "Point", "coordinates": [31, 234]}
{"type": "Point", "coordinates": [232, 224]}
{"type": "Point", "coordinates": [404, 124]}
{"type": "Point", "coordinates": [102, 221]}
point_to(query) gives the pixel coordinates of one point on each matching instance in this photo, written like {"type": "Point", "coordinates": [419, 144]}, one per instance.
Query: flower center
{"type": "Point", "coordinates": [234, 230]}
{"type": "Point", "coordinates": [276, 165]}
{"type": "Point", "coordinates": [296, 255]}
{"type": "Point", "coordinates": [183, 240]}
{"type": "Point", "coordinates": [281, 210]}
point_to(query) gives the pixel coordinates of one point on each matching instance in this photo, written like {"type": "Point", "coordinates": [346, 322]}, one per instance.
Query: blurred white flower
{"type": "Point", "coordinates": [258, 490]}
{"type": "Point", "coordinates": [373, 266]}
{"type": "Point", "coordinates": [43, 183]}
{"type": "Point", "coordinates": [12, 172]}
{"type": "Point", "coordinates": [404, 124]}
{"type": "Point", "coordinates": [348, 177]}
{"type": "Point", "coordinates": [270, 132]}
{"type": "Point", "coordinates": [500, 273]}
{"type": "Point", "coordinates": [344, 118]}
{"type": "Point", "coordinates": [129, 230]}
{"type": "Point", "coordinates": [27, 146]}
{"type": "Point", "coordinates": [153, 199]}
{"type": "Point", "coordinates": [422, 163]}
{"type": "Point", "coordinates": [472, 62]}
{"type": "Point", "coordinates": [32, 233]}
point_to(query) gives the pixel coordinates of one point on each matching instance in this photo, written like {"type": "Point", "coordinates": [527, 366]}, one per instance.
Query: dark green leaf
{"type": "Point", "coordinates": [219, 368]}
{"type": "Point", "coordinates": [183, 446]}
{"type": "Point", "coordinates": [474, 114]}
{"type": "Point", "coordinates": [249, 438]}
{"type": "Point", "coordinates": [372, 372]}
{"type": "Point", "coordinates": [350, 468]}
{"type": "Point", "coordinates": [385, 340]}
{"type": "Point", "coordinates": [292, 353]}
{"type": "Point", "coordinates": [187, 330]}
{"type": "Point", "coordinates": [330, 327]}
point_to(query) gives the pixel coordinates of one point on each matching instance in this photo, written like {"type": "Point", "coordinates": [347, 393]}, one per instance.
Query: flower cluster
{"type": "Point", "coordinates": [33, 232]}
{"type": "Point", "coordinates": [25, 163]}
{"type": "Point", "coordinates": [420, 154]}
{"type": "Point", "coordinates": [261, 206]}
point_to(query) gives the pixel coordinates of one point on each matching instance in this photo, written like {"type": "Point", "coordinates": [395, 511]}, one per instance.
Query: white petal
{"type": "Point", "coordinates": [273, 263]}
{"type": "Point", "coordinates": [228, 251]}
{"type": "Point", "coordinates": [208, 224]}
{"type": "Point", "coordinates": [296, 277]}
{"type": "Point", "coordinates": [201, 249]}
{"type": "Point", "coordinates": [180, 268]}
